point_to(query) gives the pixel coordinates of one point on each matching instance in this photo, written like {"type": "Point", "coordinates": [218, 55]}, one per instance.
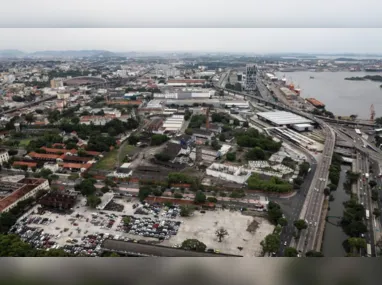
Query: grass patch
{"type": "Point", "coordinates": [127, 150]}
{"type": "Point", "coordinates": [108, 162]}
{"type": "Point", "coordinates": [24, 142]}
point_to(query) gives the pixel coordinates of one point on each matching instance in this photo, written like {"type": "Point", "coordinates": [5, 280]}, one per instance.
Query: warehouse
{"type": "Point", "coordinates": [302, 127]}
{"type": "Point", "coordinates": [282, 118]}
{"type": "Point", "coordinates": [237, 104]}
{"type": "Point", "coordinates": [174, 123]}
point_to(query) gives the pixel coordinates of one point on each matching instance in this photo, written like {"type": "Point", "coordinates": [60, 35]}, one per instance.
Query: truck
{"type": "Point", "coordinates": [367, 214]}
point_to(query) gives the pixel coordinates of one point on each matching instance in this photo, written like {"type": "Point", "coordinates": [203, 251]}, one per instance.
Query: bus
{"type": "Point", "coordinates": [368, 250]}
{"type": "Point", "coordinates": [358, 132]}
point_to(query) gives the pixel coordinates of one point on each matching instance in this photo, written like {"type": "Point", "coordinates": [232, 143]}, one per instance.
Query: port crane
{"type": "Point", "coordinates": [372, 112]}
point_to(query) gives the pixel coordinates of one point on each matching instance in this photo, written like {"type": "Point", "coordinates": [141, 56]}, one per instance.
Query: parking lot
{"type": "Point", "coordinates": [85, 229]}
{"type": "Point", "coordinates": [203, 227]}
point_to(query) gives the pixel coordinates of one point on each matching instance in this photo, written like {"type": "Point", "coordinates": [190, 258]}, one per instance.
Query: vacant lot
{"type": "Point", "coordinates": [204, 226]}
{"type": "Point", "coordinates": [108, 162]}
{"type": "Point", "coordinates": [125, 149]}
{"type": "Point", "coordinates": [24, 142]}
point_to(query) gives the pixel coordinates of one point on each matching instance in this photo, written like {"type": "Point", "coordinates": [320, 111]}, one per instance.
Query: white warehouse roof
{"type": "Point", "coordinates": [283, 118]}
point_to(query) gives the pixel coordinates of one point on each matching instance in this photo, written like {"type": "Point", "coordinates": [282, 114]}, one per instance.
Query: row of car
{"type": "Point", "coordinates": [151, 227]}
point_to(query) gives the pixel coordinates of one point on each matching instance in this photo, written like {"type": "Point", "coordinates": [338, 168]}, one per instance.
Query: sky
{"type": "Point", "coordinates": [194, 40]}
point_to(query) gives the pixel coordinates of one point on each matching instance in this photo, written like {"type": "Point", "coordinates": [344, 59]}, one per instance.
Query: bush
{"type": "Point", "coordinates": [158, 139]}
{"type": "Point", "coordinates": [275, 184]}
{"type": "Point", "coordinates": [231, 156]}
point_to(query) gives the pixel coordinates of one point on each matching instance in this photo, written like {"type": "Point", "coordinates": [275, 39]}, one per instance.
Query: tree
{"type": "Point", "coordinates": [86, 187]}
{"type": "Point", "coordinates": [188, 132]}
{"type": "Point", "coordinates": [221, 233]}
{"type": "Point", "coordinates": [326, 191]}
{"type": "Point", "coordinates": [300, 225]}
{"type": "Point", "coordinates": [271, 243]}
{"type": "Point", "coordinates": [200, 197]}
{"type": "Point", "coordinates": [283, 222]}
{"type": "Point", "coordinates": [374, 195]}
{"type": "Point", "coordinates": [304, 168]}
{"type": "Point", "coordinates": [290, 252]}
{"type": "Point", "coordinates": [158, 139]}
{"type": "Point", "coordinates": [353, 117]}
{"type": "Point", "coordinates": [93, 201]}
{"type": "Point", "coordinates": [376, 212]}
{"type": "Point", "coordinates": [245, 124]}
{"type": "Point", "coordinates": [126, 221]}
{"type": "Point", "coordinates": [222, 137]}
{"type": "Point", "coordinates": [256, 154]}
{"type": "Point", "coordinates": [144, 192]}
{"type": "Point", "coordinates": [372, 183]}
{"type": "Point", "coordinates": [215, 145]}
{"type": "Point", "coordinates": [105, 189]}
{"type": "Point", "coordinates": [236, 122]}
{"type": "Point", "coordinates": [178, 196]}
{"type": "Point", "coordinates": [313, 253]}
{"type": "Point", "coordinates": [193, 244]}
{"type": "Point", "coordinates": [133, 140]}
{"type": "Point", "coordinates": [212, 199]}
{"type": "Point", "coordinates": [231, 156]}
{"type": "Point", "coordinates": [274, 212]}
{"type": "Point", "coordinates": [186, 210]}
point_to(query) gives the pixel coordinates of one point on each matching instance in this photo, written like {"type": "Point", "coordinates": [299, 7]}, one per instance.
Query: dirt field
{"type": "Point", "coordinates": [204, 226]}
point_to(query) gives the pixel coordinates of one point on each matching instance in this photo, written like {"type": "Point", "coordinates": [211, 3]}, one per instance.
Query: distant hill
{"type": "Point", "coordinates": [11, 53]}
{"type": "Point", "coordinates": [73, 53]}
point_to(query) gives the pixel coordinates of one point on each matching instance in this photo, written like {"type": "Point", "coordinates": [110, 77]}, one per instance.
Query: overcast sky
{"type": "Point", "coordinates": [209, 40]}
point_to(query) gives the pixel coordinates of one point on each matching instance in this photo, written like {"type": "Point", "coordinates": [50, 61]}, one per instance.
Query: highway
{"type": "Point", "coordinates": [311, 210]}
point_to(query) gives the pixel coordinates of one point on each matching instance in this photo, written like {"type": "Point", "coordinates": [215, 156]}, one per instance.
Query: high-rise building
{"type": "Point", "coordinates": [250, 81]}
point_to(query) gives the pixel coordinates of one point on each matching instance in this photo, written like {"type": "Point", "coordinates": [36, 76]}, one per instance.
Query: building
{"type": "Point", "coordinates": [58, 200]}
{"type": "Point", "coordinates": [282, 118]}
{"type": "Point", "coordinates": [186, 82]}
{"type": "Point", "coordinates": [174, 123]}
{"type": "Point", "coordinates": [236, 104]}
{"type": "Point", "coordinates": [57, 82]}
{"type": "Point", "coordinates": [63, 95]}
{"type": "Point", "coordinates": [28, 164]}
{"type": "Point", "coordinates": [13, 192]}
{"type": "Point", "coordinates": [4, 156]}
{"type": "Point", "coordinates": [203, 134]}
{"type": "Point", "coordinates": [43, 156]}
{"type": "Point", "coordinates": [250, 80]}
{"type": "Point", "coordinates": [76, 166]}
{"type": "Point", "coordinates": [303, 127]}
{"type": "Point", "coordinates": [229, 173]}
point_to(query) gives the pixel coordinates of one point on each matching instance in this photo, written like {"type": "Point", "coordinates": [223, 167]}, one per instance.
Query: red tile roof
{"type": "Point", "coordinates": [76, 158]}
{"type": "Point", "coordinates": [76, 165]}
{"type": "Point", "coordinates": [26, 163]}
{"type": "Point", "coordinates": [43, 155]}
{"type": "Point", "coordinates": [93, 153]}
{"type": "Point", "coordinates": [58, 150]}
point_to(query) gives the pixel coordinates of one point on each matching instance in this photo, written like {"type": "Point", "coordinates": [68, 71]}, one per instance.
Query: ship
{"type": "Point", "coordinates": [373, 69]}
{"type": "Point", "coordinates": [315, 102]}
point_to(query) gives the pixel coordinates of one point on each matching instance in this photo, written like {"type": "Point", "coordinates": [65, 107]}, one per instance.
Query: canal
{"type": "Point", "coordinates": [334, 236]}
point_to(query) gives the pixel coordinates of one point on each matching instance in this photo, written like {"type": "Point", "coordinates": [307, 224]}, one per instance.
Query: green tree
{"type": "Point", "coordinates": [231, 156]}
{"type": "Point", "coordinates": [126, 221]}
{"type": "Point", "coordinates": [222, 137]}
{"type": "Point", "coordinates": [290, 252]}
{"type": "Point", "coordinates": [300, 225]}
{"type": "Point", "coordinates": [144, 192]}
{"type": "Point", "coordinates": [189, 132]}
{"type": "Point", "coordinates": [86, 187]}
{"type": "Point", "coordinates": [313, 253]}
{"type": "Point", "coordinates": [133, 140]}
{"type": "Point", "coordinates": [376, 212]}
{"type": "Point", "coordinates": [29, 118]}
{"type": "Point", "coordinates": [274, 212]}
{"type": "Point", "coordinates": [282, 222]}
{"type": "Point", "coordinates": [193, 244]}
{"type": "Point", "coordinates": [221, 233]}
{"type": "Point", "coordinates": [256, 154]}
{"type": "Point", "coordinates": [200, 197]}
{"type": "Point", "coordinates": [215, 145]}
{"type": "Point", "coordinates": [245, 124]}
{"type": "Point", "coordinates": [236, 122]}
{"type": "Point", "coordinates": [372, 183]}
{"type": "Point", "coordinates": [186, 210]}
{"type": "Point", "coordinates": [271, 243]}
{"type": "Point", "coordinates": [212, 199]}
{"type": "Point", "coordinates": [304, 168]}
{"type": "Point", "coordinates": [93, 201]}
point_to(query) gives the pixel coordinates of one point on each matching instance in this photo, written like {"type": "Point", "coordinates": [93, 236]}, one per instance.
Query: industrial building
{"type": "Point", "coordinates": [186, 82]}
{"type": "Point", "coordinates": [185, 94]}
{"type": "Point", "coordinates": [282, 118]}
{"type": "Point", "coordinates": [229, 173]}
{"type": "Point", "coordinates": [173, 123]}
{"type": "Point", "coordinates": [191, 102]}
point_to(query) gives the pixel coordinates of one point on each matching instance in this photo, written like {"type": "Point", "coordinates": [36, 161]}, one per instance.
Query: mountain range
{"type": "Point", "coordinates": [60, 54]}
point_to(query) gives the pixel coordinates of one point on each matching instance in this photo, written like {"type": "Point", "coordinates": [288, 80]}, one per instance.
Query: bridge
{"type": "Point", "coordinates": [346, 122]}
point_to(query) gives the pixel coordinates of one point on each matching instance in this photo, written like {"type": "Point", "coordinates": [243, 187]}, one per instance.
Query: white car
{"type": "Point", "coordinates": [285, 243]}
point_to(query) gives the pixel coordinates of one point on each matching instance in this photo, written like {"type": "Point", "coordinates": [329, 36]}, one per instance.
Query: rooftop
{"type": "Point", "coordinates": [283, 118]}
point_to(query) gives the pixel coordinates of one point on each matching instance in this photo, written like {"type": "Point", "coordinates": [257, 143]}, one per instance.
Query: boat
{"type": "Point", "coordinates": [312, 77]}
{"type": "Point", "coordinates": [373, 69]}
{"type": "Point", "coordinates": [315, 102]}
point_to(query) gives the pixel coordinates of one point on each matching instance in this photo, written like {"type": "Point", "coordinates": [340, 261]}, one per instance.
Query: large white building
{"type": "Point", "coordinates": [174, 123]}
{"type": "Point", "coordinates": [282, 118]}
{"type": "Point", "coordinates": [4, 156]}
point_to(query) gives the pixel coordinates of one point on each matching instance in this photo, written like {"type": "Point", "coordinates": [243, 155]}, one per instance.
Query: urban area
{"type": "Point", "coordinates": [107, 155]}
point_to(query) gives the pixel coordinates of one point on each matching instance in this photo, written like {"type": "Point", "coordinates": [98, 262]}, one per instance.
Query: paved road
{"type": "Point", "coordinates": [132, 248]}
{"type": "Point", "coordinates": [311, 211]}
